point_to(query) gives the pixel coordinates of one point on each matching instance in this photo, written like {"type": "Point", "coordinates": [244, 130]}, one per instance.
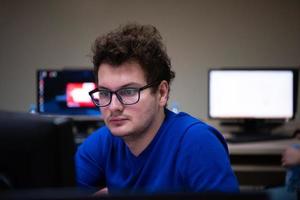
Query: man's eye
{"type": "Point", "coordinates": [104, 94]}
{"type": "Point", "coordinates": [126, 92]}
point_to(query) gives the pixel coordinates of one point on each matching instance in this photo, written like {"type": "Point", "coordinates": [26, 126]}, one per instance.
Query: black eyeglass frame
{"type": "Point", "coordinates": [118, 96]}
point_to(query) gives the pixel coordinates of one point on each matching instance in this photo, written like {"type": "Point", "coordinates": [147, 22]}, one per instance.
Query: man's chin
{"type": "Point", "coordinates": [119, 132]}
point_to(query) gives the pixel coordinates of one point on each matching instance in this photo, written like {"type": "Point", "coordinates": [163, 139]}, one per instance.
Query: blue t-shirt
{"type": "Point", "coordinates": [186, 155]}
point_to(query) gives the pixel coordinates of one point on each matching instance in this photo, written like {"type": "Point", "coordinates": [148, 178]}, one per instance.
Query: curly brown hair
{"type": "Point", "coordinates": [134, 42]}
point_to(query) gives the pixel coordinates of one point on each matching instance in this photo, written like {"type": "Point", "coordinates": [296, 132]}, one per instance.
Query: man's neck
{"type": "Point", "coordinates": [139, 142]}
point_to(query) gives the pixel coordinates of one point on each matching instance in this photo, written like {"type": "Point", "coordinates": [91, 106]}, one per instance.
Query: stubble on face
{"type": "Point", "coordinates": [127, 121]}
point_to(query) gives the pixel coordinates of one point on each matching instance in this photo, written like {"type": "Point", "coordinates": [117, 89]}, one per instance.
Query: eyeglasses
{"type": "Point", "coordinates": [126, 95]}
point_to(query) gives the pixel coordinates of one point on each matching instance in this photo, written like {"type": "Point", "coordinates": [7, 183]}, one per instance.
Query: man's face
{"type": "Point", "coordinates": [129, 120]}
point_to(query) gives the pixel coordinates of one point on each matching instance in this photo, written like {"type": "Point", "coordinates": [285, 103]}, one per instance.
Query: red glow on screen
{"type": "Point", "coordinates": [78, 94]}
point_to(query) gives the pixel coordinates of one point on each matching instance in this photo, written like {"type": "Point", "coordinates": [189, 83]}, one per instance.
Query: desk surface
{"type": "Point", "coordinates": [272, 147]}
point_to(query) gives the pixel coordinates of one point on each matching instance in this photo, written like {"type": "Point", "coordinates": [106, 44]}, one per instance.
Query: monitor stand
{"type": "Point", "coordinates": [255, 131]}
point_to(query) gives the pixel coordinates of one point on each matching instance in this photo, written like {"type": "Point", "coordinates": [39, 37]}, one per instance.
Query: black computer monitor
{"type": "Point", "coordinates": [255, 98]}
{"type": "Point", "coordinates": [65, 92]}
{"type": "Point", "coordinates": [35, 151]}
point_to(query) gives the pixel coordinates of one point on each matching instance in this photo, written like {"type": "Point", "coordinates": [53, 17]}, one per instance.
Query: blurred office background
{"type": "Point", "coordinates": [199, 34]}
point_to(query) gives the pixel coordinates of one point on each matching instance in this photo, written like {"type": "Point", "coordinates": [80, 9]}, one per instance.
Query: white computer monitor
{"type": "Point", "coordinates": [252, 93]}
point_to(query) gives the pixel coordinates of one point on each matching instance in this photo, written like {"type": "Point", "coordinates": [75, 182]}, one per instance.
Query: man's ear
{"type": "Point", "coordinates": [163, 92]}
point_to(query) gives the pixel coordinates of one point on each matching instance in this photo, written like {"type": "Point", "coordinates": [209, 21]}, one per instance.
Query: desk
{"type": "Point", "coordinates": [258, 164]}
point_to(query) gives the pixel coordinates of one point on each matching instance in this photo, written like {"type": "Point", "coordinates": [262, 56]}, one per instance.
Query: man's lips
{"type": "Point", "coordinates": [117, 119]}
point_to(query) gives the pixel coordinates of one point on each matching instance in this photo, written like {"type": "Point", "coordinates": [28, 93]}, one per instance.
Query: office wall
{"type": "Point", "coordinates": [199, 34]}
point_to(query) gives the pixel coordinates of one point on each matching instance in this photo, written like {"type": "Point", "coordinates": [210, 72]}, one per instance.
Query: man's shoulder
{"type": "Point", "coordinates": [183, 123]}
{"type": "Point", "coordinates": [185, 119]}
{"type": "Point", "coordinates": [97, 143]}
{"type": "Point", "coordinates": [100, 135]}
{"type": "Point", "coordinates": [100, 132]}
{"type": "Point", "coordinates": [196, 130]}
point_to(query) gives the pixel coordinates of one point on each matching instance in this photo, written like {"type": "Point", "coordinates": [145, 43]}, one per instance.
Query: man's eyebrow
{"type": "Point", "coordinates": [132, 84]}
{"type": "Point", "coordinates": [103, 88]}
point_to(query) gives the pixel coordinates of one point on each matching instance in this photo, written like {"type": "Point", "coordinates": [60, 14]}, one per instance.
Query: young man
{"type": "Point", "coordinates": [144, 147]}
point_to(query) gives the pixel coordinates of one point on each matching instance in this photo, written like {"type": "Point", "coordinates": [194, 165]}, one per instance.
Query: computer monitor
{"type": "Point", "coordinates": [35, 151]}
{"type": "Point", "coordinates": [252, 96]}
{"type": "Point", "coordinates": [65, 92]}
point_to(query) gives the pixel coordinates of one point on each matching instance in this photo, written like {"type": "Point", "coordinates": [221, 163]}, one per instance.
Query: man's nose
{"type": "Point", "coordinates": [115, 103]}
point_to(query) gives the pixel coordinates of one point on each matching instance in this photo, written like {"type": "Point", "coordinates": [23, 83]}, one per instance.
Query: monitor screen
{"type": "Point", "coordinates": [251, 93]}
{"type": "Point", "coordinates": [35, 151]}
{"type": "Point", "coordinates": [65, 92]}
